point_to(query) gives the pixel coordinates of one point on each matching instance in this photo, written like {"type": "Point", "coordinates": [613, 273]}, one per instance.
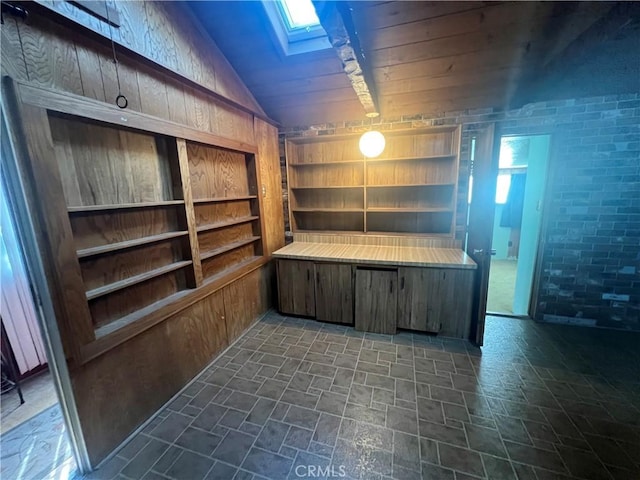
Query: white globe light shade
{"type": "Point", "coordinates": [372, 144]}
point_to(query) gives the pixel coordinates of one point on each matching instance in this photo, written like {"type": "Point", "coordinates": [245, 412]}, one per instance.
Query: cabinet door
{"type": "Point", "coordinates": [436, 300]}
{"type": "Point", "coordinates": [455, 296]}
{"type": "Point", "coordinates": [296, 289]}
{"type": "Point", "coordinates": [376, 300]}
{"type": "Point", "coordinates": [417, 295]}
{"type": "Point", "coordinates": [334, 293]}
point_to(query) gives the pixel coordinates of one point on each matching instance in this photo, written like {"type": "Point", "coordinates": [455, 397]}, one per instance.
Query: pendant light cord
{"type": "Point", "coordinates": [121, 100]}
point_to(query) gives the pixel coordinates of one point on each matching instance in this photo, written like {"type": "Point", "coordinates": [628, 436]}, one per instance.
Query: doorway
{"type": "Point", "coordinates": [39, 431]}
{"type": "Point", "coordinates": [520, 183]}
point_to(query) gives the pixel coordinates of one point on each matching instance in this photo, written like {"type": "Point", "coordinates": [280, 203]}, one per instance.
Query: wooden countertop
{"type": "Point", "coordinates": [377, 255]}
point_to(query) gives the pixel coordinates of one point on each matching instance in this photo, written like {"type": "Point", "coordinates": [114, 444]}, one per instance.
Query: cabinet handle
{"type": "Point", "coordinates": [308, 275]}
{"type": "Point", "coordinates": [391, 288]}
{"type": "Point", "coordinates": [401, 283]}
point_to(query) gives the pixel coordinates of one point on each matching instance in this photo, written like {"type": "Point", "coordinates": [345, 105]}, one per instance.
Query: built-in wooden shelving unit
{"type": "Point", "coordinates": [227, 216]}
{"type": "Point", "coordinates": [409, 189]}
{"type": "Point", "coordinates": [149, 215]}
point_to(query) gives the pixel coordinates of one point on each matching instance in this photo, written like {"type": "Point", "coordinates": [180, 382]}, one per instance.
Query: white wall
{"type": "Point", "coordinates": [500, 242]}
{"type": "Point", "coordinates": [531, 221]}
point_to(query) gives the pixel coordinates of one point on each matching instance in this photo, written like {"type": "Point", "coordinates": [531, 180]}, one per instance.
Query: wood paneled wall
{"type": "Point", "coordinates": [166, 34]}
{"type": "Point", "coordinates": [52, 55]}
{"type": "Point", "coordinates": [123, 387]}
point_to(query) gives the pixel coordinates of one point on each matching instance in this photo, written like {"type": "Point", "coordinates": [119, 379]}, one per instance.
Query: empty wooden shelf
{"type": "Point", "coordinates": [122, 206]}
{"type": "Point", "coordinates": [224, 186]}
{"type": "Point", "coordinates": [127, 282]}
{"type": "Point", "coordinates": [410, 189]}
{"type": "Point", "coordinates": [226, 223]}
{"type": "Point", "coordinates": [136, 242]}
{"type": "Point", "coordinates": [224, 199]}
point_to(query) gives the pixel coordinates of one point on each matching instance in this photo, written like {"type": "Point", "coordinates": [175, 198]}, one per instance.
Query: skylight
{"type": "Point", "coordinates": [296, 27]}
{"type": "Point", "coordinates": [299, 13]}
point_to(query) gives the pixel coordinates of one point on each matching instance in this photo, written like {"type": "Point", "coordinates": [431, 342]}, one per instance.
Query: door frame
{"type": "Point", "coordinates": [490, 134]}
{"type": "Point", "coordinates": [552, 168]}
{"type": "Point", "coordinates": [18, 204]}
{"type": "Point", "coordinates": [554, 143]}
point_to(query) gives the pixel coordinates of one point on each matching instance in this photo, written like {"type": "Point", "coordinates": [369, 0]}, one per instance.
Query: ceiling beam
{"type": "Point", "coordinates": [335, 18]}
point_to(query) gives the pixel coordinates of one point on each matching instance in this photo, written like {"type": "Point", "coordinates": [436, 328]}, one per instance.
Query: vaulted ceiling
{"type": "Point", "coordinates": [433, 57]}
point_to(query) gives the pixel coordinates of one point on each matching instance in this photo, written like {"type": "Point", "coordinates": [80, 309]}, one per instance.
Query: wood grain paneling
{"type": "Point", "coordinates": [110, 227]}
{"type": "Point", "coordinates": [388, 14]}
{"type": "Point", "coordinates": [216, 172]}
{"type": "Point", "coordinates": [117, 305]}
{"type": "Point", "coordinates": [164, 33]}
{"type": "Point", "coordinates": [158, 363]}
{"type": "Point", "coordinates": [271, 188]}
{"type": "Point", "coordinates": [212, 213]}
{"type": "Point", "coordinates": [128, 80]}
{"type": "Point", "coordinates": [153, 94]}
{"type": "Point", "coordinates": [111, 166]}
{"type": "Point", "coordinates": [376, 300]}
{"type": "Point", "coordinates": [51, 60]}
{"type": "Point", "coordinates": [89, 60]}
{"type": "Point", "coordinates": [197, 106]}
{"type": "Point", "coordinates": [13, 63]}
{"type": "Point", "coordinates": [159, 39]}
{"type": "Point", "coordinates": [243, 305]}
{"type": "Point", "coordinates": [177, 103]}
{"type": "Point", "coordinates": [101, 270]}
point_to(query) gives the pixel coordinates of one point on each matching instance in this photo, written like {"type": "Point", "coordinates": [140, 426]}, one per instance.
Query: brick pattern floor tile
{"type": "Point", "coordinates": [295, 398]}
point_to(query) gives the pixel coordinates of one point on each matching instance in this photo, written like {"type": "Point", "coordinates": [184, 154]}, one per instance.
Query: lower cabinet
{"type": "Point", "coordinates": [334, 293]}
{"type": "Point", "coordinates": [376, 294]}
{"type": "Point", "coordinates": [296, 287]}
{"type": "Point", "coordinates": [377, 299]}
{"type": "Point", "coordinates": [415, 299]}
{"type": "Point", "coordinates": [435, 300]}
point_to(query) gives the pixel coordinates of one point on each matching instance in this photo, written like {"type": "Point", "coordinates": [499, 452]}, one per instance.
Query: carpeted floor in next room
{"type": "Point", "coordinates": [502, 284]}
{"type": "Point", "coordinates": [539, 402]}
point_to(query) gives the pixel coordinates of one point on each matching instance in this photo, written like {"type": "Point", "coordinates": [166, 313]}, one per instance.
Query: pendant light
{"type": "Point", "coordinates": [372, 143]}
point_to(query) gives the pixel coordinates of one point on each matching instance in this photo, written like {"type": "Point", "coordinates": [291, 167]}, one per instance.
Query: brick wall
{"type": "Point", "coordinates": [592, 223]}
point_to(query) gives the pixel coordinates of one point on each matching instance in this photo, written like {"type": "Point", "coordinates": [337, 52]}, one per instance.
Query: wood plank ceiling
{"type": "Point", "coordinates": [424, 57]}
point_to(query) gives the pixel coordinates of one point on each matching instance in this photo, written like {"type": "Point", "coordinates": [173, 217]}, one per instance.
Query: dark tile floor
{"type": "Point", "coordinates": [297, 399]}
